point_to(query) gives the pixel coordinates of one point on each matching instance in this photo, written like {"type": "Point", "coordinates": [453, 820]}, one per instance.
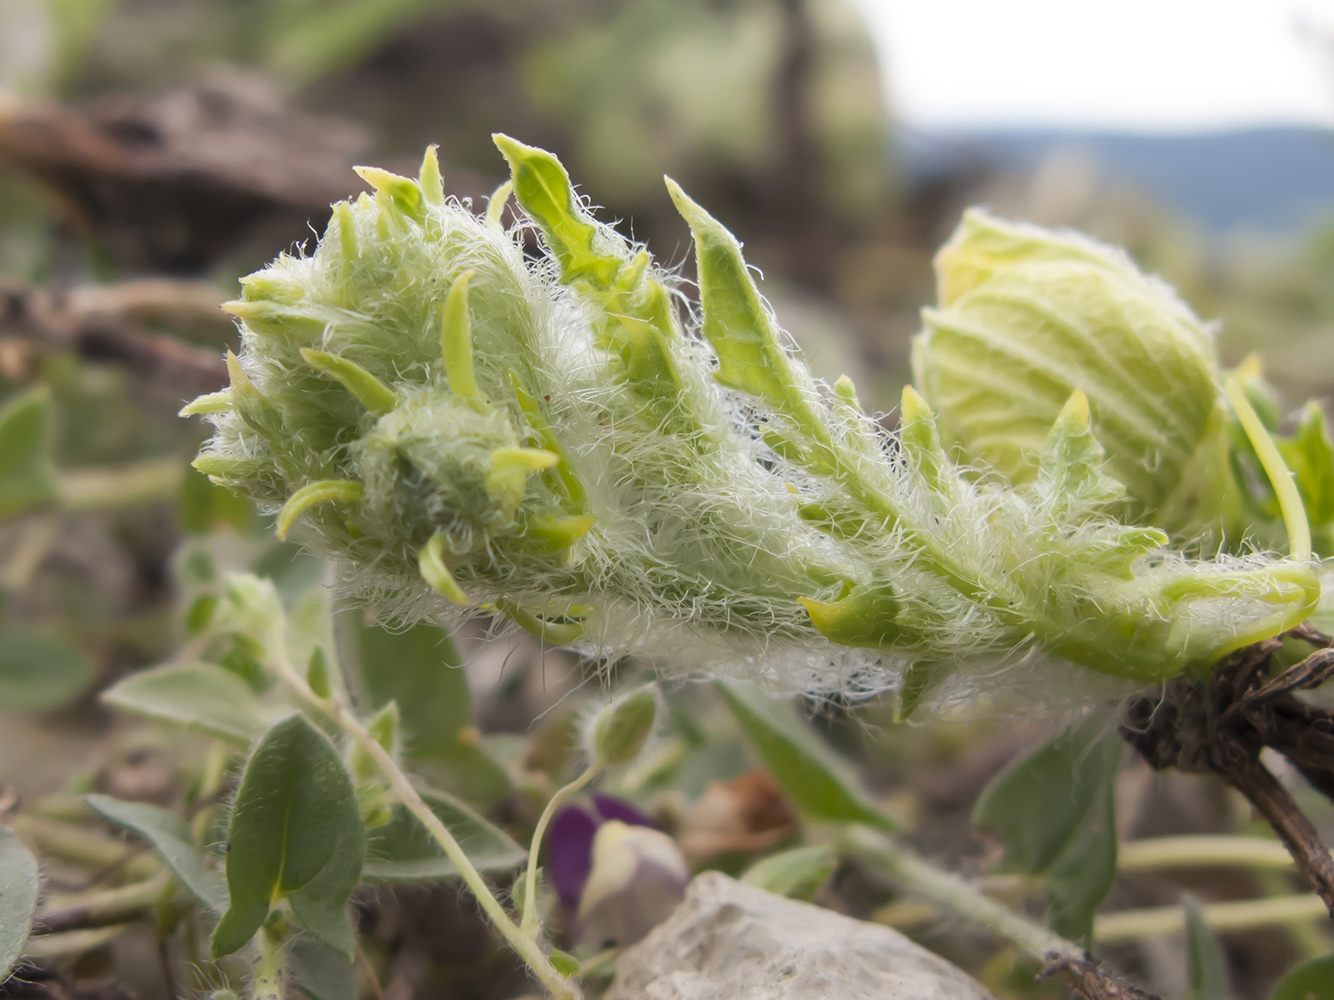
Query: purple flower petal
{"type": "Point", "coordinates": [570, 853]}
{"type": "Point", "coordinates": [610, 807]}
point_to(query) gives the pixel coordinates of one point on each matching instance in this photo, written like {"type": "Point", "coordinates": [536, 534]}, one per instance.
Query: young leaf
{"type": "Point", "coordinates": [817, 782]}
{"type": "Point", "coordinates": [39, 671]}
{"type": "Point", "coordinates": [200, 695]}
{"type": "Point", "coordinates": [1313, 980]}
{"type": "Point", "coordinates": [1037, 804]}
{"type": "Point", "coordinates": [27, 476]}
{"type": "Point", "coordinates": [171, 839]}
{"type": "Point", "coordinates": [1206, 966]}
{"type": "Point", "coordinates": [295, 832]}
{"type": "Point", "coordinates": [420, 670]}
{"type": "Point", "coordinates": [797, 873]}
{"type": "Point", "coordinates": [321, 973]}
{"type": "Point", "coordinates": [403, 851]}
{"type": "Point", "coordinates": [19, 883]}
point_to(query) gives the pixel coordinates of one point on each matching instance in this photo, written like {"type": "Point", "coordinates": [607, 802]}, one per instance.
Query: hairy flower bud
{"type": "Point", "coordinates": [1026, 316]}
{"type": "Point", "coordinates": [618, 733]}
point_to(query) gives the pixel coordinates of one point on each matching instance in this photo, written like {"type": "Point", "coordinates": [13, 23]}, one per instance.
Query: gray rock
{"type": "Point", "coordinates": [729, 941]}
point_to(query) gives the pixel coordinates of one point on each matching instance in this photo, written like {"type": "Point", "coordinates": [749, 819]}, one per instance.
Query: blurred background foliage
{"type": "Point", "coordinates": [152, 151]}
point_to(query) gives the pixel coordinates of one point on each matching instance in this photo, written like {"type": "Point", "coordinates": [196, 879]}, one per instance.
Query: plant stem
{"type": "Point", "coordinates": [267, 980]}
{"type": "Point", "coordinates": [109, 906]}
{"type": "Point", "coordinates": [524, 944]}
{"type": "Point", "coordinates": [1131, 925]}
{"type": "Point", "coordinates": [965, 900]}
{"type": "Point", "coordinates": [71, 942]}
{"type": "Point", "coordinates": [141, 482]}
{"type": "Point", "coordinates": [959, 896]}
{"type": "Point", "coordinates": [84, 846]}
{"type": "Point", "coordinates": [529, 922]}
{"type": "Point", "coordinates": [1206, 851]}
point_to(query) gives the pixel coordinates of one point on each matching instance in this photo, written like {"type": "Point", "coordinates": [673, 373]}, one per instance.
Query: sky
{"type": "Point", "coordinates": [1141, 65]}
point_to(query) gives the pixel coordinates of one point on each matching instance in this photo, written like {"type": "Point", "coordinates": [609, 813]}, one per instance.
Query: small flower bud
{"type": "Point", "coordinates": [317, 674]}
{"type": "Point", "coordinates": [619, 732]}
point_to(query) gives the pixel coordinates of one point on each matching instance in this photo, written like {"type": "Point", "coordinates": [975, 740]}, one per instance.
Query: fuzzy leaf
{"type": "Point", "coordinates": [19, 886]}
{"type": "Point", "coordinates": [403, 851]}
{"type": "Point", "coordinates": [295, 833]}
{"type": "Point", "coordinates": [1038, 804]}
{"type": "Point", "coordinates": [1313, 980]}
{"type": "Point", "coordinates": [1310, 455]}
{"type": "Point", "coordinates": [39, 671]}
{"type": "Point", "coordinates": [420, 669]}
{"type": "Point", "coordinates": [27, 477]}
{"type": "Point", "coordinates": [797, 873]}
{"type": "Point", "coordinates": [1206, 966]}
{"type": "Point", "coordinates": [171, 840]}
{"type": "Point", "coordinates": [819, 784]}
{"type": "Point", "coordinates": [199, 695]}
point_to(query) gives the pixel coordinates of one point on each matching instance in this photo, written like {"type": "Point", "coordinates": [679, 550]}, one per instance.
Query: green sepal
{"type": "Point", "coordinates": [736, 323]}
{"type": "Point", "coordinates": [865, 618]}
{"type": "Point", "coordinates": [323, 491]}
{"type": "Point", "coordinates": [562, 477]}
{"type": "Point", "coordinates": [543, 188]}
{"type": "Point", "coordinates": [403, 192]}
{"type": "Point", "coordinates": [456, 339]}
{"type": "Point", "coordinates": [369, 390]}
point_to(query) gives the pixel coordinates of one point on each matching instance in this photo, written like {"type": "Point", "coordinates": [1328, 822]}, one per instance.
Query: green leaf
{"type": "Point", "coordinates": [199, 695]}
{"type": "Point", "coordinates": [419, 668]}
{"type": "Point", "coordinates": [403, 851]}
{"type": "Point", "coordinates": [322, 973]}
{"type": "Point", "coordinates": [171, 839]}
{"type": "Point", "coordinates": [39, 671]}
{"type": "Point", "coordinates": [797, 873]}
{"type": "Point", "coordinates": [1206, 966]}
{"type": "Point", "coordinates": [1037, 805]}
{"type": "Point", "coordinates": [1081, 877]}
{"type": "Point", "coordinates": [27, 477]}
{"type": "Point", "coordinates": [295, 833]}
{"type": "Point", "coordinates": [19, 885]}
{"type": "Point", "coordinates": [819, 784]}
{"type": "Point", "coordinates": [1313, 980]}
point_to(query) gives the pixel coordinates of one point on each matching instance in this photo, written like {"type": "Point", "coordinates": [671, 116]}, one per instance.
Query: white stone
{"type": "Point", "coordinates": [729, 941]}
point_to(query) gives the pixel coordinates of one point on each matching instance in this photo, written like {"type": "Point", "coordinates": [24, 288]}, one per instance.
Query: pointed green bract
{"type": "Point", "coordinates": [736, 322]}
{"type": "Point", "coordinates": [456, 338]}
{"type": "Point", "coordinates": [431, 564]}
{"type": "Point", "coordinates": [322, 491]}
{"type": "Point", "coordinates": [543, 188]}
{"type": "Point", "coordinates": [370, 391]}
{"type": "Point", "coordinates": [404, 192]}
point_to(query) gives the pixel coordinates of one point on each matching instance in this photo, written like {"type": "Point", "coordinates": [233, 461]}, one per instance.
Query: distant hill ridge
{"type": "Point", "coordinates": [1278, 179]}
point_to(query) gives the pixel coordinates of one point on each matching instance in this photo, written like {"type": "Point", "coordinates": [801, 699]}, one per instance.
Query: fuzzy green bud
{"type": "Point", "coordinates": [619, 732]}
{"type": "Point", "coordinates": [1026, 316]}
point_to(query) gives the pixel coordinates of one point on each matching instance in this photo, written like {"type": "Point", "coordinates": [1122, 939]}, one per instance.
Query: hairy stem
{"type": "Point", "coordinates": [336, 709]}
{"type": "Point", "coordinates": [267, 979]}
{"type": "Point", "coordinates": [966, 901]}
{"type": "Point", "coordinates": [529, 921]}
{"type": "Point", "coordinates": [96, 909]}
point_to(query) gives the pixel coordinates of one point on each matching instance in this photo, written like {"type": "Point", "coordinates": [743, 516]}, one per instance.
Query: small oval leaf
{"type": "Point", "coordinates": [295, 833]}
